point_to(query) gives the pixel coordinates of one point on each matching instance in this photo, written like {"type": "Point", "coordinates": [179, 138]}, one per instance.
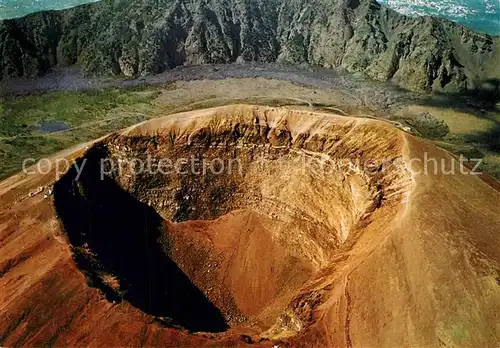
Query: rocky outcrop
{"type": "Point", "coordinates": [142, 37]}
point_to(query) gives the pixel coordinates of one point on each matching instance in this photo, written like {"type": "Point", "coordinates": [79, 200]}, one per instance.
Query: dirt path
{"type": "Point", "coordinates": [360, 92]}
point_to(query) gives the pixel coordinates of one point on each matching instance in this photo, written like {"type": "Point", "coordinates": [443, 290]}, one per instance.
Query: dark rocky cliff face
{"type": "Point", "coordinates": [141, 37]}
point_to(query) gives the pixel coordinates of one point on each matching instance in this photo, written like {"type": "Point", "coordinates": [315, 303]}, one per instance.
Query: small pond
{"type": "Point", "coordinates": [53, 126]}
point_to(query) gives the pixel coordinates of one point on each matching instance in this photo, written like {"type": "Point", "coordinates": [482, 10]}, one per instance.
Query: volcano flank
{"type": "Point", "coordinates": [270, 226]}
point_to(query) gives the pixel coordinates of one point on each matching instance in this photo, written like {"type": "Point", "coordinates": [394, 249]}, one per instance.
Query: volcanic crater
{"type": "Point", "coordinates": [254, 238]}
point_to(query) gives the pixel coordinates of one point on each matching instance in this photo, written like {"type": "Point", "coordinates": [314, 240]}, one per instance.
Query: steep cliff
{"type": "Point", "coordinates": [141, 37]}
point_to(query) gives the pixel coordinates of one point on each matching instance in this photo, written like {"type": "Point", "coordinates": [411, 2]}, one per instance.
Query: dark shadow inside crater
{"type": "Point", "coordinates": [120, 245]}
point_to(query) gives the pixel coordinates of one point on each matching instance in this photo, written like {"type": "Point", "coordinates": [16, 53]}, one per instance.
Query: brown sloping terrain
{"type": "Point", "coordinates": [308, 229]}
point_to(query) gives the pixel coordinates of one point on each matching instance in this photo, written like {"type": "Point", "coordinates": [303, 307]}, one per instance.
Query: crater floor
{"type": "Point", "coordinates": [250, 208]}
{"type": "Point", "coordinates": [246, 224]}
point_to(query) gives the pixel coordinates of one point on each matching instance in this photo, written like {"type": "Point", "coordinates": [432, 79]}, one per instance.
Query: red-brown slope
{"type": "Point", "coordinates": [419, 269]}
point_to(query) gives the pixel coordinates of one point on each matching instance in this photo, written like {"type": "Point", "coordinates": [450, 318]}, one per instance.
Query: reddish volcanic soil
{"type": "Point", "coordinates": [316, 230]}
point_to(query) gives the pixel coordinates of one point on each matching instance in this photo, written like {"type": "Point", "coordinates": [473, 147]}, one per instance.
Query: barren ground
{"type": "Point", "coordinates": [94, 107]}
{"type": "Point", "coordinates": [332, 253]}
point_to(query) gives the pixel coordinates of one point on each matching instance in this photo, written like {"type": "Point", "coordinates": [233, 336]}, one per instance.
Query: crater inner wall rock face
{"type": "Point", "coordinates": [250, 208]}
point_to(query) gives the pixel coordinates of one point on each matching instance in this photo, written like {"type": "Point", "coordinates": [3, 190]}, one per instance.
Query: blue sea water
{"type": "Point", "coordinates": [19, 8]}
{"type": "Point", "coordinates": [481, 15]}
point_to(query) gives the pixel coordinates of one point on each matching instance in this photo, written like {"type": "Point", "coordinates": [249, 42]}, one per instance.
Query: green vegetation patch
{"type": "Point", "coordinates": [85, 114]}
{"type": "Point", "coordinates": [428, 126]}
